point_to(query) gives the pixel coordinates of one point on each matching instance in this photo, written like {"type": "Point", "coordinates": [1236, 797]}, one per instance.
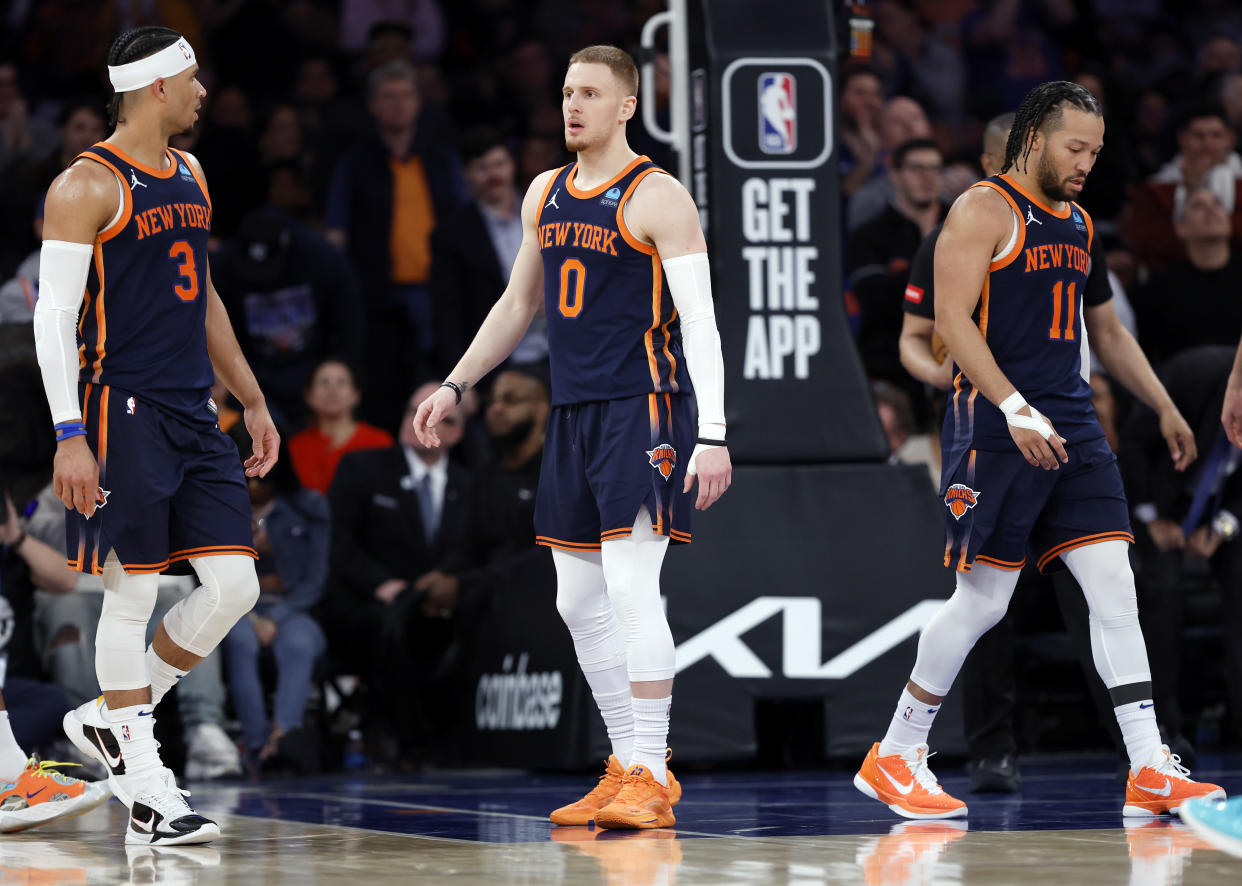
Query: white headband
{"type": "Point", "coordinates": [168, 61]}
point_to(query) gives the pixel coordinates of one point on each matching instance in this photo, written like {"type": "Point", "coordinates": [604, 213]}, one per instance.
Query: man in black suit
{"type": "Point", "coordinates": [397, 514]}
{"type": "Point", "coordinates": [473, 252]}
{"type": "Point", "coordinates": [1194, 514]}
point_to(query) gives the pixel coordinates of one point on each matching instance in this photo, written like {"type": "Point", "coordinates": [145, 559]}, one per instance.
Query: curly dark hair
{"type": "Point", "coordinates": [1041, 110]}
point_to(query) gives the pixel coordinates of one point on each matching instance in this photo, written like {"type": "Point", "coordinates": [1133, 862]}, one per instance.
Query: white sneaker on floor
{"type": "Point", "coordinates": [210, 753]}
{"type": "Point", "coordinates": [160, 816]}
{"type": "Point", "coordinates": [91, 734]}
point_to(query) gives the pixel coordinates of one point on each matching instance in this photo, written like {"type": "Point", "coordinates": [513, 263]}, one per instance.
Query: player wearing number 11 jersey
{"type": "Point", "coordinates": [1025, 461]}
{"type": "Point", "coordinates": [128, 330]}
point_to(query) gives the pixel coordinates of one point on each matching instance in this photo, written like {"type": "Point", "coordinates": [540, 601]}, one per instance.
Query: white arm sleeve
{"type": "Point", "coordinates": [63, 267]}
{"type": "Point", "coordinates": [690, 282]}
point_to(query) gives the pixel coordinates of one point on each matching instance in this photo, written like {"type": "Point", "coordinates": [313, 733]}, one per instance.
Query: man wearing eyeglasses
{"type": "Point", "coordinates": [398, 514]}
{"type": "Point", "coordinates": [879, 262]}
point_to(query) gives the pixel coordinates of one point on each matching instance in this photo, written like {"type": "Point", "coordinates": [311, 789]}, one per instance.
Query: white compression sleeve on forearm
{"type": "Point", "coordinates": [63, 267]}
{"type": "Point", "coordinates": [690, 282]}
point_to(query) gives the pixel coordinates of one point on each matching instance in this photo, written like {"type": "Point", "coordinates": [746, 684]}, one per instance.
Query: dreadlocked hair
{"type": "Point", "coordinates": [134, 44]}
{"type": "Point", "coordinates": [1043, 107]}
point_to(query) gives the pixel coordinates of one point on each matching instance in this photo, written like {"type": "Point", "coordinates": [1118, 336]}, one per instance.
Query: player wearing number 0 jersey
{"type": "Point", "coordinates": [613, 249]}
{"type": "Point", "coordinates": [1025, 460]}
{"type": "Point", "coordinates": [129, 332]}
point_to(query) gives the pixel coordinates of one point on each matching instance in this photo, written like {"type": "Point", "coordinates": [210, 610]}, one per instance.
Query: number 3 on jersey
{"type": "Point", "coordinates": [571, 305]}
{"type": "Point", "coordinates": [182, 252]}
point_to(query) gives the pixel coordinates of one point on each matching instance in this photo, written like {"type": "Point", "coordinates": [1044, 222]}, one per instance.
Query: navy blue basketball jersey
{"type": "Point", "coordinates": [612, 329]}
{"type": "Point", "coordinates": [143, 323]}
{"type": "Point", "coordinates": [1030, 313]}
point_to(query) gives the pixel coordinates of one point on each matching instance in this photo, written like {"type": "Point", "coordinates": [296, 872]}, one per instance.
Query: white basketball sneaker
{"type": "Point", "coordinates": [160, 816]}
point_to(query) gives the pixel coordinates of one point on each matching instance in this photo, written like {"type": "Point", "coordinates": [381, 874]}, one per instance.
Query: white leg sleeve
{"type": "Point", "coordinates": [229, 590]}
{"type": "Point", "coordinates": [979, 602]}
{"type": "Point", "coordinates": [121, 641]}
{"type": "Point", "coordinates": [632, 574]}
{"type": "Point", "coordinates": [584, 606]}
{"type": "Point", "coordinates": [1103, 571]}
{"type": "Point", "coordinates": [583, 603]}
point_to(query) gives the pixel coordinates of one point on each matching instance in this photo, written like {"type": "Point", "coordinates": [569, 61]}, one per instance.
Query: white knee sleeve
{"type": "Point", "coordinates": [586, 610]}
{"type": "Point", "coordinates": [121, 641]}
{"type": "Point", "coordinates": [979, 602]}
{"type": "Point", "coordinates": [632, 575]}
{"type": "Point", "coordinates": [1103, 571]}
{"type": "Point", "coordinates": [229, 590]}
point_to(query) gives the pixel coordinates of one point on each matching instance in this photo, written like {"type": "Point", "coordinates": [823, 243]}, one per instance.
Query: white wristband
{"type": "Point", "coordinates": [1035, 422]}
{"type": "Point", "coordinates": [1012, 403]}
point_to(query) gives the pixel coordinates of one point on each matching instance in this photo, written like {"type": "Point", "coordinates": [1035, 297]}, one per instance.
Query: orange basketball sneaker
{"type": "Point", "coordinates": [905, 784]}
{"type": "Point", "coordinates": [1163, 785]}
{"type": "Point", "coordinates": [642, 802]}
{"type": "Point", "coordinates": [583, 811]}
{"type": "Point", "coordinates": [41, 794]}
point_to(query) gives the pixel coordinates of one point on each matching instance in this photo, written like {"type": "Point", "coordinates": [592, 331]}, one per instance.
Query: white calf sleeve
{"type": "Point", "coordinates": [587, 612]}
{"type": "Point", "coordinates": [632, 575]}
{"type": "Point", "coordinates": [229, 590]}
{"type": "Point", "coordinates": [1103, 571]}
{"type": "Point", "coordinates": [979, 602]}
{"type": "Point", "coordinates": [121, 641]}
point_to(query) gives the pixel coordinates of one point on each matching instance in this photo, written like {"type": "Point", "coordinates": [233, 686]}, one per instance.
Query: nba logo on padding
{"type": "Point", "coordinates": [960, 499]}
{"type": "Point", "coordinates": [778, 113]}
{"type": "Point", "coordinates": [663, 458]}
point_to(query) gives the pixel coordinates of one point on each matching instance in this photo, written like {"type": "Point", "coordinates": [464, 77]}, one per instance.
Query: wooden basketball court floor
{"type": "Point", "coordinates": [765, 829]}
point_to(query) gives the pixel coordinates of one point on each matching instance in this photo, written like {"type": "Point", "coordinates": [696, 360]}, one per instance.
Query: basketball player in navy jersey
{"type": "Point", "coordinates": [613, 247]}
{"type": "Point", "coordinates": [1027, 461]}
{"type": "Point", "coordinates": [128, 328]}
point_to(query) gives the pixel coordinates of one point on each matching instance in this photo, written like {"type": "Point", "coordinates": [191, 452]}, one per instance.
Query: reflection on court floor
{"type": "Point", "coordinates": [809, 829]}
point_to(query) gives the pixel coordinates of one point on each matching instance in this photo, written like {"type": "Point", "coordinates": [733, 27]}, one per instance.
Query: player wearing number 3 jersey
{"type": "Point", "coordinates": [613, 248]}
{"type": "Point", "coordinates": [129, 332]}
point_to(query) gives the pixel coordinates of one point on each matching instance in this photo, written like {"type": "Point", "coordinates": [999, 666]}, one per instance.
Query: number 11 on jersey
{"type": "Point", "coordinates": [1055, 331]}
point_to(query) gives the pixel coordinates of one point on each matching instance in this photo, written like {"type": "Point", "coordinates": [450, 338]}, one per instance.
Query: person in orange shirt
{"type": "Point", "coordinates": [332, 395]}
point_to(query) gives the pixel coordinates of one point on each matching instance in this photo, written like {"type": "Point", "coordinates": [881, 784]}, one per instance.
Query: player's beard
{"type": "Point", "coordinates": [1050, 181]}
{"type": "Point", "coordinates": [575, 143]}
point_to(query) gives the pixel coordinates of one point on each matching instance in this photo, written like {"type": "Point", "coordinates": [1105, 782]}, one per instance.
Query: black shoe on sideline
{"type": "Point", "coordinates": [995, 775]}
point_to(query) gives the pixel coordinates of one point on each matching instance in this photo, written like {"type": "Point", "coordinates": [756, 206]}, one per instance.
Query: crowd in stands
{"type": "Point", "coordinates": [366, 160]}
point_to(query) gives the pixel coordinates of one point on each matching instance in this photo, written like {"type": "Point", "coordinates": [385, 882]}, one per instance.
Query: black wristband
{"type": "Point", "coordinates": [455, 388]}
{"type": "Point", "coordinates": [707, 442]}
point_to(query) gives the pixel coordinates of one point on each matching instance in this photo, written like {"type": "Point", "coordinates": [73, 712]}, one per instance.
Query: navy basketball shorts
{"type": "Point", "coordinates": [604, 460]}
{"type": "Point", "coordinates": [169, 489]}
{"type": "Point", "coordinates": [995, 503]}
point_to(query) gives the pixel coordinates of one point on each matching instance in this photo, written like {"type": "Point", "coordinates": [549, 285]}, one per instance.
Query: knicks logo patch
{"type": "Point", "coordinates": [663, 458]}
{"type": "Point", "coordinates": [960, 499]}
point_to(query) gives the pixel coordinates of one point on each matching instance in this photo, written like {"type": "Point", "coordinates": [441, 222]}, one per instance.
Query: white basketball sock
{"type": "Point", "coordinates": [651, 735]}
{"type": "Point", "coordinates": [134, 729]}
{"type": "Point", "coordinates": [1139, 731]}
{"type": "Point", "coordinates": [163, 675]}
{"type": "Point", "coordinates": [12, 758]}
{"type": "Point", "coordinates": [911, 723]}
{"type": "Point", "coordinates": [618, 714]}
